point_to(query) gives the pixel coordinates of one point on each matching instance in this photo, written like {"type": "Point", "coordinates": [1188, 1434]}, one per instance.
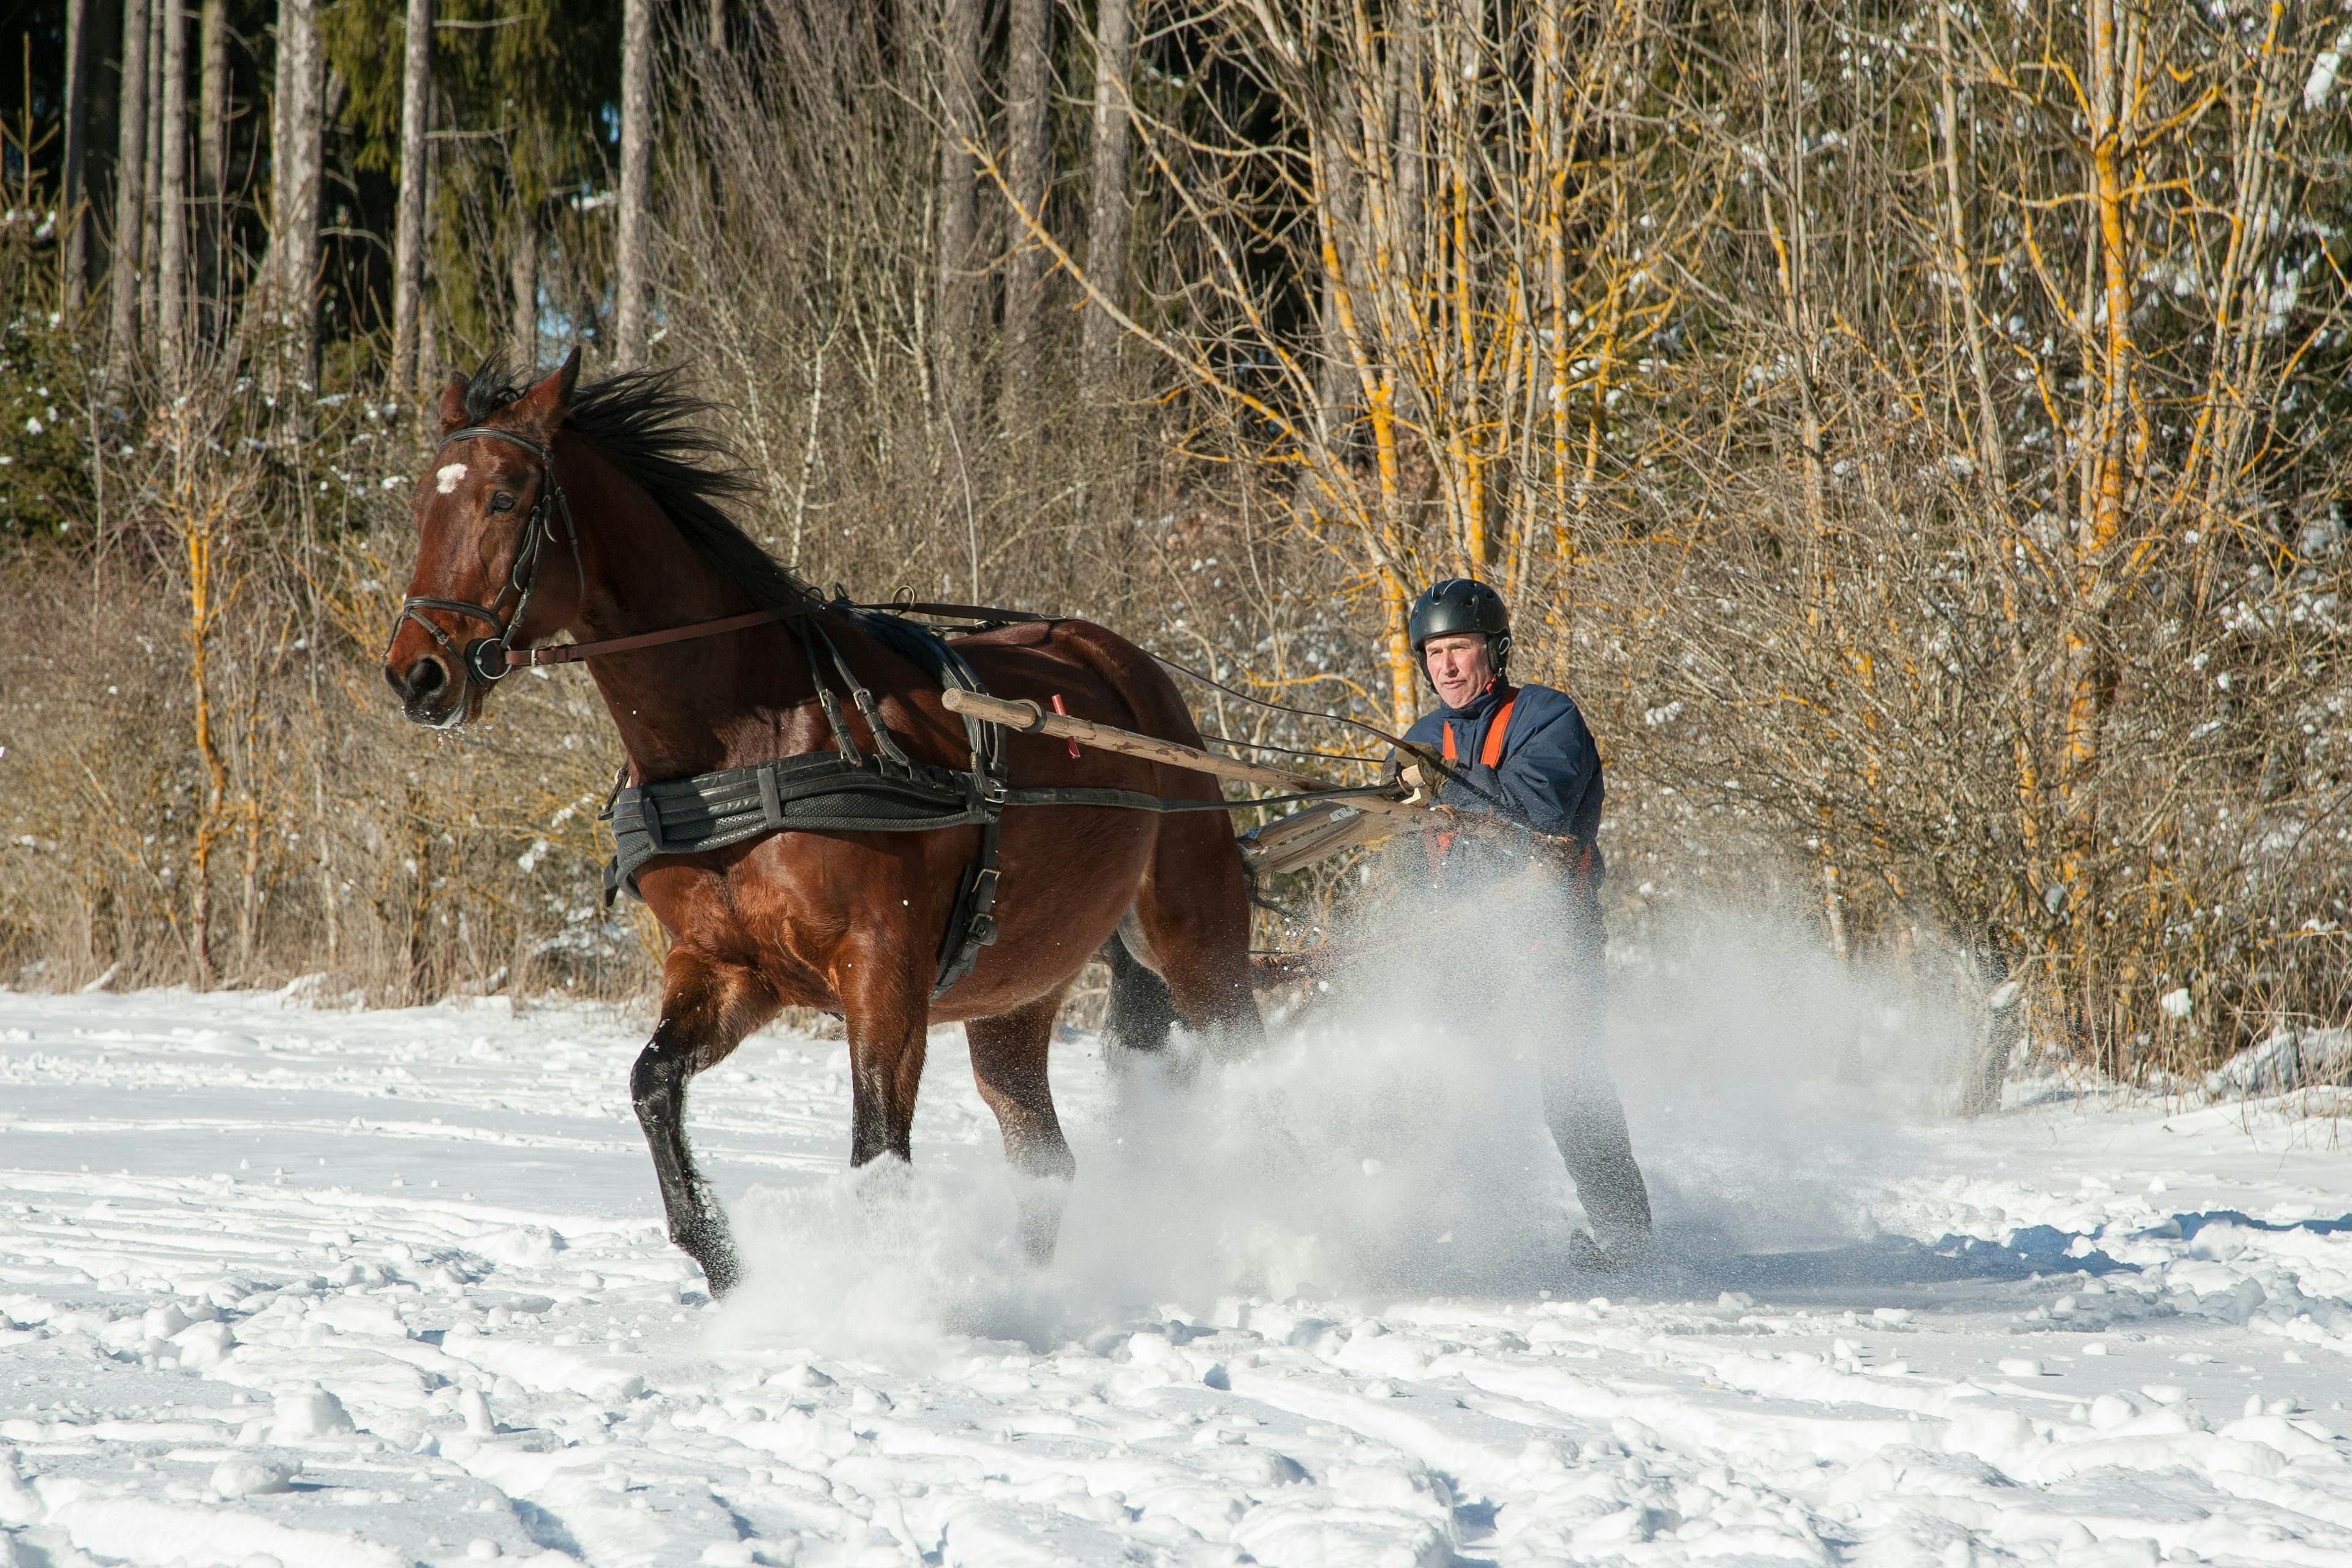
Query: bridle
{"type": "Point", "coordinates": [487, 659]}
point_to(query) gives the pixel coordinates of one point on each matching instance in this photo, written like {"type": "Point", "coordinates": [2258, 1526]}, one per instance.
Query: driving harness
{"type": "Point", "coordinates": [848, 791]}
{"type": "Point", "coordinates": [842, 791]}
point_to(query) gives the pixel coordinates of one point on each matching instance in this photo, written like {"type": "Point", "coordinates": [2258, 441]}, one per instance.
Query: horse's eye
{"type": "Point", "coordinates": [501, 501]}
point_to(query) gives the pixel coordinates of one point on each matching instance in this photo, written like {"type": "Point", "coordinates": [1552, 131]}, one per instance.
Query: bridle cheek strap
{"type": "Point", "coordinates": [487, 659]}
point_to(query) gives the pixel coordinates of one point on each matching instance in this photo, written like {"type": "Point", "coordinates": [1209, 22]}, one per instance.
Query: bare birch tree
{"type": "Point", "coordinates": [298, 127]}
{"type": "Point", "coordinates": [74, 156]}
{"type": "Point", "coordinates": [1027, 123]}
{"type": "Point", "coordinates": [522, 281]}
{"type": "Point", "coordinates": [209, 224]}
{"type": "Point", "coordinates": [130, 189]}
{"type": "Point", "coordinates": [171, 264]}
{"type": "Point", "coordinates": [408, 221]}
{"type": "Point", "coordinates": [152, 170]}
{"type": "Point", "coordinates": [1108, 204]}
{"type": "Point", "coordinates": [957, 308]}
{"type": "Point", "coordinates": [631, 281]}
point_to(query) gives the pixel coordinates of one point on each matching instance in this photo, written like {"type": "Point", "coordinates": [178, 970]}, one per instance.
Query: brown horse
{"type": "Point", "coordinates": [592, 511]}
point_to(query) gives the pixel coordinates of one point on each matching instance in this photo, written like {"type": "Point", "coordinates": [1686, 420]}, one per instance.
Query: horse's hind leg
{"type": "Point", "coordinates": [1141, 1010]}
{"type": "Point", "coordinates": [1008, 1060]}
{"type": "Point", "coordinates": [1192, 917]}
{"type": "Point", "coordinates": [707, 1009]}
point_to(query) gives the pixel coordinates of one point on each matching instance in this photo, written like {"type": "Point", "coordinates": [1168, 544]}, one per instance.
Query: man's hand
{"type": "Point", "coordinates": [1433, 768]}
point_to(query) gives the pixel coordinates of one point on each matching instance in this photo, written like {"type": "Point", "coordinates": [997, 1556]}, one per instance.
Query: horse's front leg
{"type": "Point", "coordinates": [708, 1007]}
{"type": "Point", "coordinates": [1008, 1060]}
{"type": "Point", "coordinates": [886, 1008]}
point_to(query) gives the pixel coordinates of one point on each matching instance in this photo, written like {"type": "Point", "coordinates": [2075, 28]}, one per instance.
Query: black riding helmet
{"type": "Point", "coordinates": [1456, 605]}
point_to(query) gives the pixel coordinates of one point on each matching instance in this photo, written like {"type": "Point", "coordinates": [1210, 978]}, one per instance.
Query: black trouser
{"type": "Point", "coordinates": [1548, 977]}
{"type": "Point", "coordinates": [1581, 1104]}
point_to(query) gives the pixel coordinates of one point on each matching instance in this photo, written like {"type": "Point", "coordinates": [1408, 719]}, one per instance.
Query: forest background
{"type": "Point", "coordinates": [1914, 433]}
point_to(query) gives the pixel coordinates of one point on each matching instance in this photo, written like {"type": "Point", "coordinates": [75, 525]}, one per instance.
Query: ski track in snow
{"type": "Point", "coordinates": [313, 1288]}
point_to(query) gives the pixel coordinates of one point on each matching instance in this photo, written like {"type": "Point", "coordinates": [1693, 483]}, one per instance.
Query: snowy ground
{"type": "Point", "coordinates": [321, 1288]}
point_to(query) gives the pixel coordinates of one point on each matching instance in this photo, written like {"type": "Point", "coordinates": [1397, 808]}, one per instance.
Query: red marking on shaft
{"type": "Point", "coordinates": [1064, 713]}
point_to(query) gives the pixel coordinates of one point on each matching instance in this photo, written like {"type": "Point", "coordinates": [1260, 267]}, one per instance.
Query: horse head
{"type": "Point", "coordinates": [490, 514]}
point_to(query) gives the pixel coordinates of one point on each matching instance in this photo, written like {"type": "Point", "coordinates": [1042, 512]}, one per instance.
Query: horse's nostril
{"type": "Point", "coordinates": [426, 678]}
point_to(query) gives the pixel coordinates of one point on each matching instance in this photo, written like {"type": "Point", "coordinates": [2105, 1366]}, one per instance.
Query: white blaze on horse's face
{"type": "Point", "coordinates": [446, 481]}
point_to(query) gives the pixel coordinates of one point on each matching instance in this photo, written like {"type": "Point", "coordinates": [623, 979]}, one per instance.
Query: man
{"type": "Point", "coordinates": [1524, 753]}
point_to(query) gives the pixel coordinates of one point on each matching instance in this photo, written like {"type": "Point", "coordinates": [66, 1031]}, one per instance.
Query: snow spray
{"type": "Point", "coordinates": [1389, 1139]}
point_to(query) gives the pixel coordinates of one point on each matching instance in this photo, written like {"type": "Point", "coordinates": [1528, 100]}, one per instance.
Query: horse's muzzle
{"type": "Point", "coordinates": [428, 693]}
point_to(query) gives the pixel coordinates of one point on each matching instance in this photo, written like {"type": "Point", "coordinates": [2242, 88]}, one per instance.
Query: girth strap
{"type": "Point", "coordinates": [820, 791]}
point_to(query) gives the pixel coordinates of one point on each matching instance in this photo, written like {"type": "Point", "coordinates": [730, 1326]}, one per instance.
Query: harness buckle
{"type": "Point", "coordinates": [486, 660]}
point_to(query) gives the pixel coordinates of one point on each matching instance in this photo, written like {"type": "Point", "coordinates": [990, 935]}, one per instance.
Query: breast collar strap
{"type": "Point", "coordinates": [485, 658]}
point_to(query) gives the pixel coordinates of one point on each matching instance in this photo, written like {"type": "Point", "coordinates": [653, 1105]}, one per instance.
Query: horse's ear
{"type": "Point", "coordinates": [543, 409]}
{"type": "Point", "coordinates": [453, 404]}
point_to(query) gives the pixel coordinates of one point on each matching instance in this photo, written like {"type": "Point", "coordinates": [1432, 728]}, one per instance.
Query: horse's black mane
{"type": "Point", "coordinates": [651, 431]}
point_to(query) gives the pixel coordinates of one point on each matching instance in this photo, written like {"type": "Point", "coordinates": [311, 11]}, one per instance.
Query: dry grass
{"type": "Point", "coordinates": [1910, 600]}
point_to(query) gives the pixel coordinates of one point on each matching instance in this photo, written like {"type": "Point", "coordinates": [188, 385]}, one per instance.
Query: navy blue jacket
{"type": "Point", "coordinates": [1549, 775]}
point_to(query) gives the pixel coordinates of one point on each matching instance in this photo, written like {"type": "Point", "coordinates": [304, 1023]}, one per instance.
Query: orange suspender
{"type": "Point", "coordinates": [1491, 752]}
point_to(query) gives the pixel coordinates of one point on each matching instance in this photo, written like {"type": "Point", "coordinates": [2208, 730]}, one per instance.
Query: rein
{"type": "Point", "coordinates": [571, 653]}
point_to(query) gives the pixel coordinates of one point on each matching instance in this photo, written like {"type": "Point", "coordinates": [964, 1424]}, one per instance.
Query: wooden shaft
{"type": "Point", "coordinates": [1032, 719]}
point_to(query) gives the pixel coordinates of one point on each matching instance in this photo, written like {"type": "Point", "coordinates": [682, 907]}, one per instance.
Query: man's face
{"type": "Point", "coordinates": [1458, 666]}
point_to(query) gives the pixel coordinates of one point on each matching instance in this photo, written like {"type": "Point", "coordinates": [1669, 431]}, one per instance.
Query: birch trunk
{"type": "Point", "coordinates": [429, 335]}
{"type": "Point", "coordinates": [636, 179]}
{"type": "Point", "coordinates": [151, 242]}
{"type": "Point", "coordinates": [959, 209]}
{"type": "Point", "coordinates": [1989, 441]}
{"type": "Point", "coordinates": [171, 204]}
{"type": "Point", "coordinates": [1028, 82]}
{"type": "Point", "coordinates": [522, 281]}
{"type": "Point", "coordinates": [1108, 212]}
{"type": "Point", "coordinates": [130, 187]}
{"type": "Point", "coordinates": [297, 133]}
{"type": "Point", "coordinates": [408, 217]}
{"type": "Point", "coordinates": [76, 153]}
{"type": "Point", "coordinates": [212, 168]}
{"type": "Point", "coordinates": [1405, 122]}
